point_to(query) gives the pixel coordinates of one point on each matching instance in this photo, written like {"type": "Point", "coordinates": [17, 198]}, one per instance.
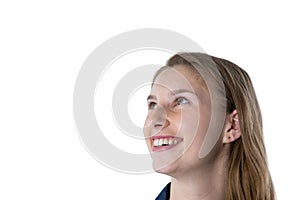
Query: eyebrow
{"type": "Point", "coordinates": [178, 91]}
{"type": "Point", "coordinates": [151, 97]}
{"type": "Point", "coordinates": [174, 92]}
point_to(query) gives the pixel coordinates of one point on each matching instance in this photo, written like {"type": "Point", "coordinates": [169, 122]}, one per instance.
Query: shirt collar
{"type": "Point", "coordinates": [165, 193]}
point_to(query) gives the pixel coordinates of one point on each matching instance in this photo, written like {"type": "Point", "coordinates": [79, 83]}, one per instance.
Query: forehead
{"type": "Point", "coordinates": [179, 77]}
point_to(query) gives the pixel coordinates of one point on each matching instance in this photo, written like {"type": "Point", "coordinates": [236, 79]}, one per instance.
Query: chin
{"type": "Point", "coordinates": [168, 169]}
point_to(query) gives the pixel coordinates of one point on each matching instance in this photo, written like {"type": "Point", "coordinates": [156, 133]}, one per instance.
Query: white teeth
{"type": "Point", "coordinates": [155, 143]}
{"type": "Point", "coordinates": [161, 141]}
{"type": "Point", "coordinates": [165, 142]}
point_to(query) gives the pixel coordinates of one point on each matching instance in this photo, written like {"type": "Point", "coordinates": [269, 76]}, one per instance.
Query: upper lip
{"type": "Point", "coordinates": [165, 136]}
{"type": "Point", "coordinates": [161, 136]}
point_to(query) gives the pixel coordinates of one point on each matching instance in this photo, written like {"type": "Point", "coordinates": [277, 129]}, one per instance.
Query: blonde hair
{"type": "Point", "coordinates": [248, 177]}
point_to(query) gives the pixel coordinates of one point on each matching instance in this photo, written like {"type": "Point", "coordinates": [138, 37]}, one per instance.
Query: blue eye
{"type": "Point", "coordinates": [181, 100]}
{"type": "Point", "coordinates": [152, 105]}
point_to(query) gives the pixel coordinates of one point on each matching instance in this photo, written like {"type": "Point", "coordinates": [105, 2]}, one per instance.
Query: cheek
{"type": "Point", "coordinates": [147, 127]}
{"type": "Point", "coordinates": [189, 126]}
{"type": "Point", "coordinates": [194, 127]}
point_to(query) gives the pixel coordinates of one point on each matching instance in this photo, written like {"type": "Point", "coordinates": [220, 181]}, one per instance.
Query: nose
{"type": "Point", "coordinates": [159, 119]}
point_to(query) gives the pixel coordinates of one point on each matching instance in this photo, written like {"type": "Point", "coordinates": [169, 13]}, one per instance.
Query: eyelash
{"type": "Point", "coordinates": [152, 104]}
{"type": "Point", "coordinates": [181, 98]}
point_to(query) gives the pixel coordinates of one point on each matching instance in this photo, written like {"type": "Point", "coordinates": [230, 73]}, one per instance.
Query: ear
{"type": "Point", "coordinates": [231, 131]}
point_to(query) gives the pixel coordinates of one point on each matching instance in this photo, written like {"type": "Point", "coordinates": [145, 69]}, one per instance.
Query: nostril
{"type": "Point", "coordinates": [157, 125]}
{"type": "Point", "coordinates": [161, 124]}
{"type": "Point", "coordinates": [158, 118]}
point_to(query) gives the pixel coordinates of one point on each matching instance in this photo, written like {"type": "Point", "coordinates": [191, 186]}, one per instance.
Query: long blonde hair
{"type": "Point", "coordinates": [248, 177]}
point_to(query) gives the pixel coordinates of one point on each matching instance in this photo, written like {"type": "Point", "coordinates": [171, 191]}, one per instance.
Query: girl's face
{"type": "Point", "coordinates": [177, 120]}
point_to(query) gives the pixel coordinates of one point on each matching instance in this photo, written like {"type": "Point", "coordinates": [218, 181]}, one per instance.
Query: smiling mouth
{"type": "Point", "coordinates": [163, 143]}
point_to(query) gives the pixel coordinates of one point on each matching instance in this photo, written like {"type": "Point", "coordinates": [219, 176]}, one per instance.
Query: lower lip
{"type": "Point", "coordinates": [163, 148]}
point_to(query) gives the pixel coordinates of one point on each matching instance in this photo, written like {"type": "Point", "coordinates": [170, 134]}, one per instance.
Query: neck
{"type": "Point", "coordinates": [205, 183]}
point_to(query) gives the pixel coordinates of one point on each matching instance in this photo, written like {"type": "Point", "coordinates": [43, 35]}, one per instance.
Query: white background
{"type": "Point", "coordinates": [42, 48]}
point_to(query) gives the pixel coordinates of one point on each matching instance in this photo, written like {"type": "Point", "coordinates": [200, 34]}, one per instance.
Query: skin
{"type": "Point", "coordinates": [179, 106]}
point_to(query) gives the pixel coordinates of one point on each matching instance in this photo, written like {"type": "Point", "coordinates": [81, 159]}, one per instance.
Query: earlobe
{"type": "Point", "coordinates": [232, 129]}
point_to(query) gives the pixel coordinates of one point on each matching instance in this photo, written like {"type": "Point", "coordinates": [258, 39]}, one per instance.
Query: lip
{"type": "Point", "coordinates": [164, 148]}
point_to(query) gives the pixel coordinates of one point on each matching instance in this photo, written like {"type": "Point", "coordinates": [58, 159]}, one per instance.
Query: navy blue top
{"type": "Point", "coordinates": [165, 193]}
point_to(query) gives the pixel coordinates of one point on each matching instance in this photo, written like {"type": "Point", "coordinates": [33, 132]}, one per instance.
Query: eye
{"type": "Point", "coordinates": [152, 105]}
{"type": "Point", "coordinates": [181, 100]}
